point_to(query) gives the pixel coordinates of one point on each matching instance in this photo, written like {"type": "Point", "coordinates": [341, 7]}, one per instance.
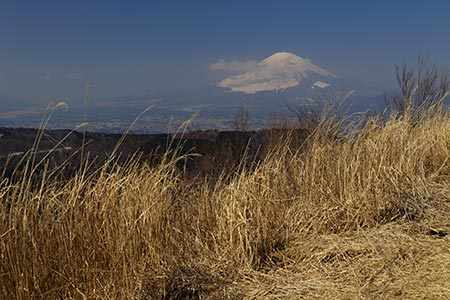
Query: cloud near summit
{"type": "Point", "coordinates": [234, 65]}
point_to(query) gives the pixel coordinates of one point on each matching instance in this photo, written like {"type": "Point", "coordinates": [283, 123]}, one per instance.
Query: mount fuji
{"type": "Point", "coordinates": [280, 71]}
{"type": "Point", "coordinates": [280, 80]}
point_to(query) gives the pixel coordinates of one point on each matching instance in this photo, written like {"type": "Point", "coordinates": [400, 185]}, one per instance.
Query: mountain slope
{"type": "Point", "coordinates": [280, 71]}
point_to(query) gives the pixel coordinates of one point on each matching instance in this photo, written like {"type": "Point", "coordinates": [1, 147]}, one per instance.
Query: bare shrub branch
{"type": "Point", "coordinates": [422, 90]}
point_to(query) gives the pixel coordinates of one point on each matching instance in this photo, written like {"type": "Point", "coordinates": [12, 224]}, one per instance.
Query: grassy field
{"type": "Point", "coordinates": [357, 215]}
{"type": "Point", "coordinates": [359, 210]}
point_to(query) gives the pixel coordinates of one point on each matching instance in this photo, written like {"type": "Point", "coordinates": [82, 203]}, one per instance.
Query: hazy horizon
{"type": "Point", "coordinates": [51, 50]}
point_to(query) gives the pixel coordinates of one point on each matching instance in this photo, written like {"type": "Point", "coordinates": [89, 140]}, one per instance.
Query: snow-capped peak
{"type": "Point", "coordinates": [279, 71]}
{"type": "Point", "coordinates": [285, 60]}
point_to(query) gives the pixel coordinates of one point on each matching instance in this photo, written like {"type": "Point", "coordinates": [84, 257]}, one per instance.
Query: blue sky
{"type": "Point", "coordinates": [52, 49]}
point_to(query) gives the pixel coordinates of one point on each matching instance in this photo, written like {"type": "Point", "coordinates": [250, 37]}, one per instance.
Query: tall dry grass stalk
{"type": "Point", "coordinates": [356, 215]}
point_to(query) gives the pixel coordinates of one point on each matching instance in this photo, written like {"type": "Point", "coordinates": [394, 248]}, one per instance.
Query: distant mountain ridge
{"type": "Point", "coordinates": [280, 80]}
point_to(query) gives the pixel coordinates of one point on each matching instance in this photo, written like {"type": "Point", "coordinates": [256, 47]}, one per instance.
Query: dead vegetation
{"type": "Point", "coordinates": [363, 214]}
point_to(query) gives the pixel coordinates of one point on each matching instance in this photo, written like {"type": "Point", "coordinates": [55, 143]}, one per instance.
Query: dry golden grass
{"type": "Point", "coordinates": [357, 215]}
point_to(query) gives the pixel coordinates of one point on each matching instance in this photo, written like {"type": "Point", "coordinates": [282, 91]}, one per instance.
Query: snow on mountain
{"type": "Point", "coordinates": [280, 71]}
{"type": "Point", "coordinates": [320, 84]}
